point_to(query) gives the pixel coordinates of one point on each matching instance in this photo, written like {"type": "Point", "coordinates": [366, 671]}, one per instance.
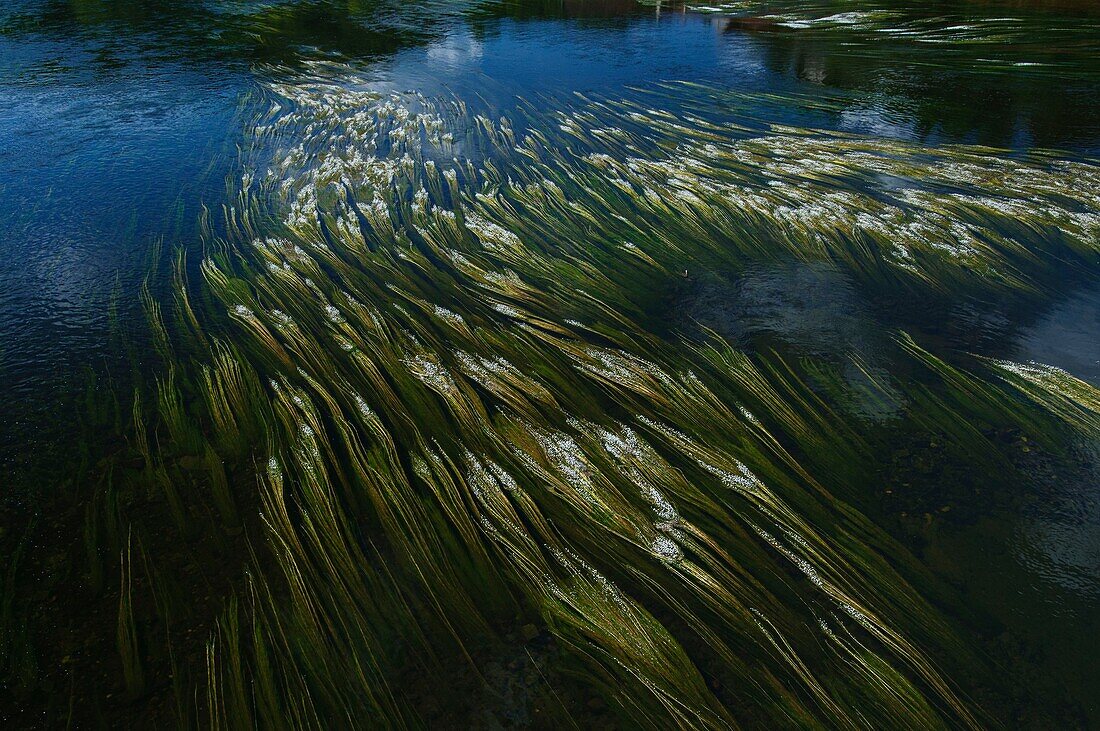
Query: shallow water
{"type": "Point", "coordinates": [801, 181]}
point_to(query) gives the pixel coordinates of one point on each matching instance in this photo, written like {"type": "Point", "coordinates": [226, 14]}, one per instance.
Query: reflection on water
{"type": "Point", "coordinates": [1061, 543]}
{"type": "Point", "coordinates": [624, 290]}
{"type": "Point", "coordinates": [1028, 555]}
{"type": "Point", "coordinates": [1067, 335]}
{"type": "Point", "coordinates": [814, 309]}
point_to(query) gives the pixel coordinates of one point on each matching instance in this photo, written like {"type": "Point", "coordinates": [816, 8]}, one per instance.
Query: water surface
{"type": "Point", "coordinates": [804, 182]}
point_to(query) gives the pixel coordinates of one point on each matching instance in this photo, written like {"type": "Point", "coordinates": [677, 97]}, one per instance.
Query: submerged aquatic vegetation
{"type": "Point", "coordinates": [128, 645]}
{"type": "Point", "coordinates": [417, 373]}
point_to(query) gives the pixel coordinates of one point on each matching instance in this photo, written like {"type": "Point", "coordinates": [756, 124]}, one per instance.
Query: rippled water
{"type": "Point", "coordinates": [576, 316]}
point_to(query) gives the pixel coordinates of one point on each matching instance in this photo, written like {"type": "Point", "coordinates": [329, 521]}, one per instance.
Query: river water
{"type": "Point", "coordinates": [850, 248]}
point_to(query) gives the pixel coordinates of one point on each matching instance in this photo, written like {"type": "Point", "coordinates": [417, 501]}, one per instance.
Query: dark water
{"type": "Point", "coordinates": [121, 121]}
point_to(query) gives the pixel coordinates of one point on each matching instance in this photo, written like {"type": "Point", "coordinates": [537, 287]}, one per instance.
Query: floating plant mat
{"type": "Point", "coordinates": [1003, 30]}
{"type": "Point", "coordinates": [423, 391]}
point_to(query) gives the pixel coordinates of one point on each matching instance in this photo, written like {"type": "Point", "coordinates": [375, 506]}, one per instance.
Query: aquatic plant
{"type": "Point", "coordinates": [129, 649]}
{"type": "Point", "coordinates": [419, 375]}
